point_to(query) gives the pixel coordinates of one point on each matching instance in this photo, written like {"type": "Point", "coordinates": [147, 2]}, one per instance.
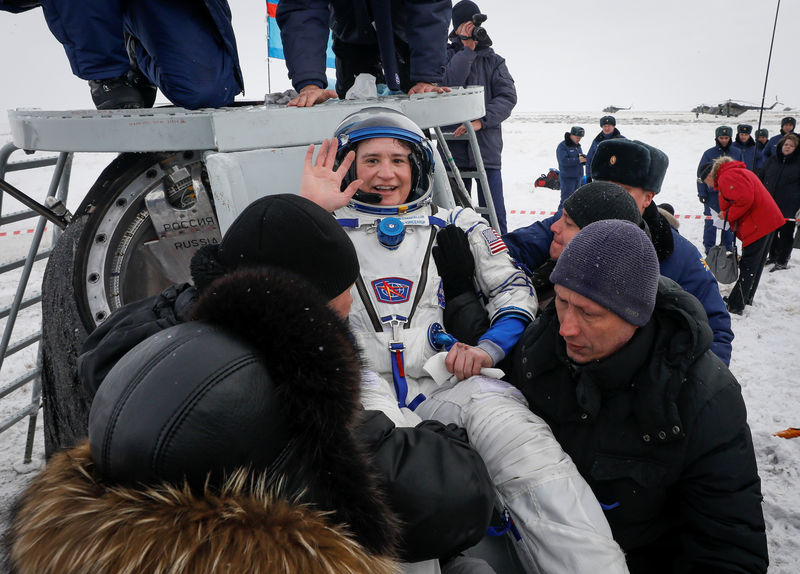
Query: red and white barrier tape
{"type": "Point", "coordinates": [17, 232]}
{"type": "Point", "coordinates": [677, 216]}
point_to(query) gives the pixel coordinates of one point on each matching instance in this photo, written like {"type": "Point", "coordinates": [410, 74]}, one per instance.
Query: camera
{"type": "Point", "coordinates": [479, 34]}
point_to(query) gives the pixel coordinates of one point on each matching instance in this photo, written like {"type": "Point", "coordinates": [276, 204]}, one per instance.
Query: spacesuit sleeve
{"type": "Point", "coordinates": [561, 525]}
{"type": "Point", "coordinates": [505, 286]}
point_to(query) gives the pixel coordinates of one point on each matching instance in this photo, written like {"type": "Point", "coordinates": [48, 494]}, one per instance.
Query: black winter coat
{"type": "Point", "coordinates": [782, 178]}
{"type": "Point", "coordinates": [452, 511]}
{"type": "Point", "coordinates": [659, 431]}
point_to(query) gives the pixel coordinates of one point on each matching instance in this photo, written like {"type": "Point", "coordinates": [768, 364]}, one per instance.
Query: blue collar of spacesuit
{"type": "Point", "coordinates": [401, 209]}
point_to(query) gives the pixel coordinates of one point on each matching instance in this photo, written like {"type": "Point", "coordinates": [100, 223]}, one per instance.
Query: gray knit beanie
{"type": "Point", "coordinates": [601, 200]}
{"type": "Point", "coordinates": [614, 264]}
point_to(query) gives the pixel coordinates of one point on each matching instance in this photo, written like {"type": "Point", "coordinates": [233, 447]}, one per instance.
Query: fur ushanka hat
{"type": "Point", "coordinates": [630, 162]}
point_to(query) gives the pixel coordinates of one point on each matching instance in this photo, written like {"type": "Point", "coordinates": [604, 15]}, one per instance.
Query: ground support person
{"type": "Point", "coordinates": [279, 482]}
{"type": "Point", "coordinates": [787, 127]}
{"type": "Point", "coordinates": [473, 62]}
{"type": "Point", "coordinates": [708, 197]}
{"type": "Point", "coordinates": [746, 145]}
{"type": "Point", "coordinates": [753, 215]}
{"type": "Point", "coordinates": [762, 137]}
{"type": "Point", "coordinates": [608, 131]}
{"type": "Point", "coordinates": [571, 162]}
{"type": "Point", "coordinates": [782, 179]}
{"type": "Point", "coordinates": [654, 422]}
{"type": "Point", "coordinates": [640, 169]}
{"type": "Point", "coordinates": [441, 516]}
{"type": "Point", "coordinates": [402, 43]}
{"type": "Point", "coordinates": [126, 49]}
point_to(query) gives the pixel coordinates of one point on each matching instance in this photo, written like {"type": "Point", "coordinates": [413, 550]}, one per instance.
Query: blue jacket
{"type": "Point", "coordinates": [482, 67]}
{"type": "Point", "coordinates": [304, 24]}
{"type": "Point", "coordinates": [747, 149]}
{"type": "Point", "coordinates": [601, 137]}
{"type": "Point", "coordinates": [569, 163]}
{"type": "Point", "coordinates": [680, 261]}
{"type": "Point", "coordinates": [712, 153]}
{"type": "Point", "coordinates": [761, 157]}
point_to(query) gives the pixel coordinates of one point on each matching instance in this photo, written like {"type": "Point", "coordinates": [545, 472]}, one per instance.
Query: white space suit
{"type": "Point", "coordinates": [402, 286]}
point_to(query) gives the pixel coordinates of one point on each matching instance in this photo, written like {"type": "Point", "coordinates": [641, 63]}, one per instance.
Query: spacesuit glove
{"type": "Point", "coordinates": [454, 261]}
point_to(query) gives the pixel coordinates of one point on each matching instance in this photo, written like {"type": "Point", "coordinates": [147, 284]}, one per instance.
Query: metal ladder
{"type": "Point", "coordinates": [58, 188]}
{"type": "Point", "coordinates": [457, 176]}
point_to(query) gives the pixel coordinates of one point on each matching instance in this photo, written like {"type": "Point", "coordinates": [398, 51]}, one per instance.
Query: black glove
{"type": "Point", "coordinates": [702, 199]}
{"type": "Point", "coordinates": [454, 261]}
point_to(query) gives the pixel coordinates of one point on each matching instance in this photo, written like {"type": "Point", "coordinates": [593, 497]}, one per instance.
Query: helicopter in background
{"type": "Point", "coordinates": [615, 109]}
{"type": "Point", "coordinates": [728, 108]}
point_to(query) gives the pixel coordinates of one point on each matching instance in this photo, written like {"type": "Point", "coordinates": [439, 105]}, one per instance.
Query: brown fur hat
{"type": "Point", "coordinates": [69, 522]}
{"type": "Point", "coordinates": [265, 378]}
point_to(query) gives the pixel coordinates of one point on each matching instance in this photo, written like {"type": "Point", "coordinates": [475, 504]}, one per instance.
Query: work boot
{"type": "Point", "coordinates": [779, 267]}
{"type": "Point", "coordinates": [115, 94]}
{"type": "Point", "coordinates": [146, 89]}
{"type": "Point", "coordinates": [135, 77]}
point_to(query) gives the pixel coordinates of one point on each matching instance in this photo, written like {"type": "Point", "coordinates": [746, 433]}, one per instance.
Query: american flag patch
{"type": "Point", "coordinates": [493, 240]}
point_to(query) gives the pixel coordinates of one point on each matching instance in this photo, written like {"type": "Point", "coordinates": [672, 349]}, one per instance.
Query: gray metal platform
{"type": "Point", "coordinates": [237, 128]}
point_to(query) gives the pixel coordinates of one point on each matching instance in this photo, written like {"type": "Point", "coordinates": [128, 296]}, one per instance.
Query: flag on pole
{"type": "Point", "coordinates": [274, 43]}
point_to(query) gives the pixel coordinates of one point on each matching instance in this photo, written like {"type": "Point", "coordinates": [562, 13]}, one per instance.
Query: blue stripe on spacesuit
{"type": "Point", "coordinates": [506, 331]}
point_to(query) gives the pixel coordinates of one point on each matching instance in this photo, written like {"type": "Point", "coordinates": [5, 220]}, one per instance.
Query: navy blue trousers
{"type": "Point", "coordinates": [496, 189]}
{"type": "Point", "coordinates": [568, 187]}
{"type": "Point", "coordinates": [180, 48]}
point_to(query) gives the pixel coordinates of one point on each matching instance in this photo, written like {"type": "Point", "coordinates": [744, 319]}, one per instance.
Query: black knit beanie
{"type": "Point", "coordinates": [464, 11]}
{"type": "Point", "coordinates": [601, 200]}
{"type": "Point", "coordinates": [614, 264]}
{"type": "Point", "coordinates": [286, 231]}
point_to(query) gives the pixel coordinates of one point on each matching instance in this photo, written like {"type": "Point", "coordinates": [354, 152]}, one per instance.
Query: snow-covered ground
{"type": "Point", "coordinates": [767, 336]}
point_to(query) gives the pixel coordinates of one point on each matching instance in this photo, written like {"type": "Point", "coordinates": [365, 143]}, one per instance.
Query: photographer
{"type": "Point", "coordinates": [472, 62]}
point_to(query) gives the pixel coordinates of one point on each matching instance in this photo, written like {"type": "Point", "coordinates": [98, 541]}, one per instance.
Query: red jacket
{"type": "Point", "coordinates": [749, 205]}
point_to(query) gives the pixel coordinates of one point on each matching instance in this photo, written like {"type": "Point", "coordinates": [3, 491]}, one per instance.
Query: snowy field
{"type": "Point", "coordinates": [767, 336]}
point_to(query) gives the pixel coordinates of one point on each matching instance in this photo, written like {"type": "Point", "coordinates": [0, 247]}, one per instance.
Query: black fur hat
{"type": "Point", "coordinates": [788, 120]}
{"type": "Point", "coordinates": [608, 120]}
{"type": "Point", "coordinates": [744, 129]}
{"type": "Point", "coordinates": [286, 231]}
{"type": "Point", "coordinates": [630, 162]}
{"type": "Point", "coordinates": [762, 132]}
{"type": "Point", "coordinates": [267, 378]}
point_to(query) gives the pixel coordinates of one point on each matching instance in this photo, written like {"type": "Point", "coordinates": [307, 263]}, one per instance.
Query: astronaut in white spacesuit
{"type": "Point", "coordinates": [399, 299]}
{"type": "Point", "coordinates": [379, 184]}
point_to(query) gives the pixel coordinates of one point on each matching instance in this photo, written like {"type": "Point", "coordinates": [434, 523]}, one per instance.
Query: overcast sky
{"type": "Point", "coordinates": [577, 55]}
